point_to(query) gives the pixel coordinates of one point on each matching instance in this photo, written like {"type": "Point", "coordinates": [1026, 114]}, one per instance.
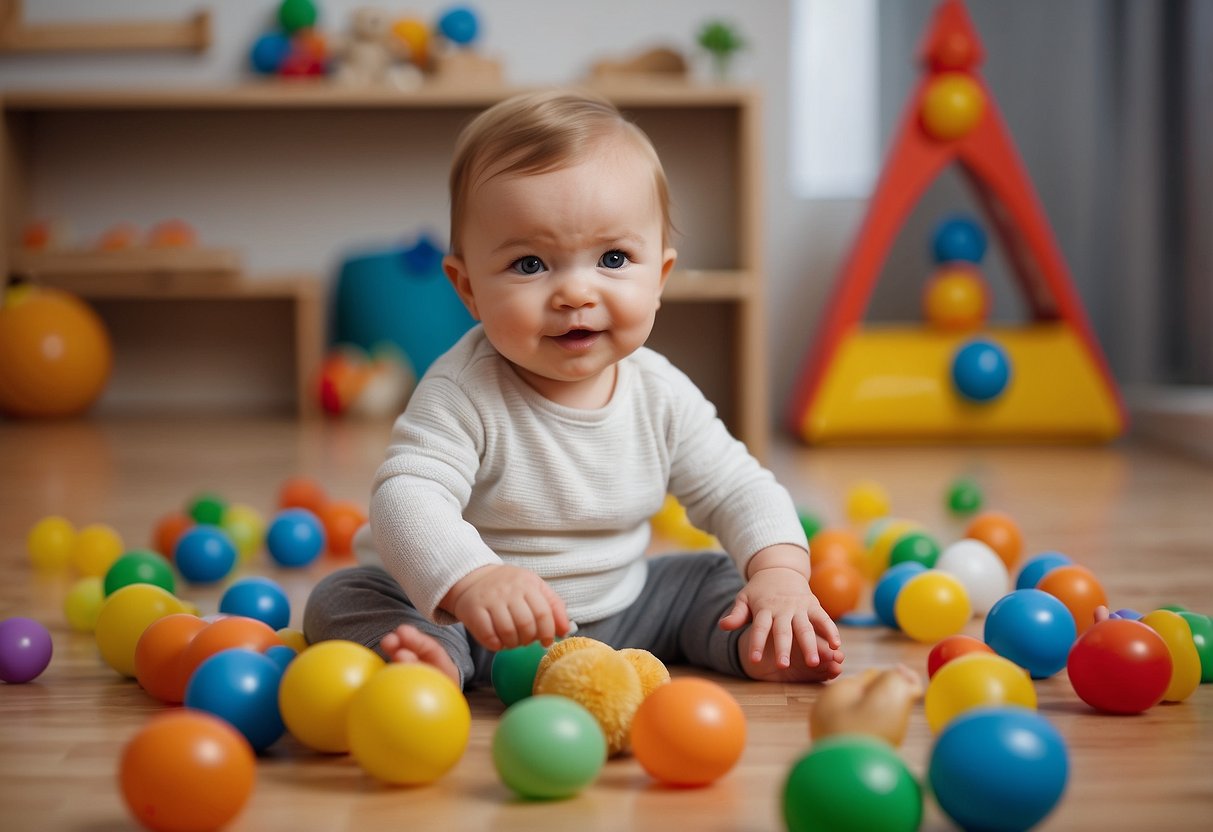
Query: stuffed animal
{"type": "Point", "coordinates": [372, 55]}
{"type": "Point", "coordinates": [875, 702]}
{"type": "Point", "coordinates": [609, 683]}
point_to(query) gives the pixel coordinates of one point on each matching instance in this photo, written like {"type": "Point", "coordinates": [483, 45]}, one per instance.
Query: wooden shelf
{"type": "Point", "coordinates": [192, 34]}
{"type": "Point", "coordinates": [129, 261]}
{"type": "Point", "coordinates": [699, 285]}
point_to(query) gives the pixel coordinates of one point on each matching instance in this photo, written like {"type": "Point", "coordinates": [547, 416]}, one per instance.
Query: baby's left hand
{"type": "Point", "coordinates": [784, 609]}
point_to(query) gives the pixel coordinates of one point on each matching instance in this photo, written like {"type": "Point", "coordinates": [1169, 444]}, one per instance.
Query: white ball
{"type": "Point", "coordinates": [979, 568]}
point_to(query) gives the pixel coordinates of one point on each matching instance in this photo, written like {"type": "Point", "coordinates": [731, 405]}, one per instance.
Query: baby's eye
{"type": "Point", "coordinates": [613, 259]}
{"type": "Point", "coordinates": [528, 265]}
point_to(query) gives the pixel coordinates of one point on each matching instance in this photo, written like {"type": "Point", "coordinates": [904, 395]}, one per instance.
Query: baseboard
{"type": "Point", "coordinates": [1180, 418]}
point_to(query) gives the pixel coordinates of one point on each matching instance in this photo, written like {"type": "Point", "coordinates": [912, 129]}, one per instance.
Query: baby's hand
{"type": "Point", "coordinates": [507, 606]}
{"type": "Point", "coordinates": [784, 609]}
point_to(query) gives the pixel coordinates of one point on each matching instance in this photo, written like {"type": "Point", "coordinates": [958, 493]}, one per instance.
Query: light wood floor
{"type": "Point", "coordinates": [1141, 519]}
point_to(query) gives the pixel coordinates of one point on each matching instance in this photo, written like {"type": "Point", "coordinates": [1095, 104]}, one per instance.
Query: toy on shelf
{"type": "Point", "coordinates": [660, 62]}
{"type": "Point", "coordinates": [455, 61]}
{"type": "Point", "coordinates": [296, 49]}
{"type": "Point", "coordinates": [959, 377]}
{"type": "Point", "coordinates": [722, 41]}
{"type": "Point", "coordinates": [372, 54]}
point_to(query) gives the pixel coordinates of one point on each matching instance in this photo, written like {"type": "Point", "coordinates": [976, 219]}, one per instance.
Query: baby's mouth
{"type": "Point", "coordinates": [575, 338]}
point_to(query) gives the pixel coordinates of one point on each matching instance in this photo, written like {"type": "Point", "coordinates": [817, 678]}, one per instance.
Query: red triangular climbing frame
{"type": "Point", "coordinates": [993, 167]}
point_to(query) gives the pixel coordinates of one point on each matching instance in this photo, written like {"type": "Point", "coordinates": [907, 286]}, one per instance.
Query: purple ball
{"type": "Point", "coordinates": [25, 649]}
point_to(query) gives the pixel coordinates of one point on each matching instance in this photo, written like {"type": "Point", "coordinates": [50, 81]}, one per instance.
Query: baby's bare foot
{"type": "Point", "coordinates": [407, 644]}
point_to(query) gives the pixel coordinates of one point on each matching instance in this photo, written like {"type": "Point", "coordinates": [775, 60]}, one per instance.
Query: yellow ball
{"type": "Point", "coordinates": [246, 527]}
{"type": "Point", "coordinates": [1185, 660]}
{"type": "Point", "coordinates": [866, 501]}
{"type": "Point", "coordinates": [973, 681]}
{"type": "Point", "coordinates": [952, 105]}
{"type": "Point", "coordinates": [876, 558]}
{"type": "Point", "coordinates": [124, 615]}
{"type": "Point", "coordinates": [293, 639]}
{"type": "Point", "coordinates": [82, 604]}
{"type": "Point", "coordinates": [408, 724]}
{"type": "Point", "coordinates": [95, 549]}
{"type": "Point", "coordinates": [931, 606]}
{"type": "Point", "coordinates": [49, 543]}
{"type": "Point", "coordinates": [317, 689]}
{"type": "Point", "coordinates": [672, 523]}
{"type": "Point", "coordinates": [955, 300]}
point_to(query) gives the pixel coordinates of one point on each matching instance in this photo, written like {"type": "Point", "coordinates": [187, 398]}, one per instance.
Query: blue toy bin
{"type": "Point", "coordinates": [399, 296]}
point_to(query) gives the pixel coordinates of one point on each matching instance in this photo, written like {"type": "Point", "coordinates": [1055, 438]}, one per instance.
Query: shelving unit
{"type": "Point", "coordinates": [712, 321]}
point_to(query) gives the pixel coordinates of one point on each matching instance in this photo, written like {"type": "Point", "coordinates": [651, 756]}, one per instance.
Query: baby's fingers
{"type": "Point", "coordinates": [736, 617]}
{"type": "Point", "coordinates": [806, 637]}
{"type": "Point", "coordinates": [825, 627]}
{"type": "Point", "coordinates": [758, 635]}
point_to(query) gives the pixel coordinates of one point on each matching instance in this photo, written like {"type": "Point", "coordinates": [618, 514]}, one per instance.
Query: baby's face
{"type": "Point", "coordinates": [565, 269]}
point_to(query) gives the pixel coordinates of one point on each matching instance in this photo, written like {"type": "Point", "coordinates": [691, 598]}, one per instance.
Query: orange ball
{"type": "Point", "coordinates": [172, 234]}
{"type": "Point", "coordinates": [953, 647]}
{"type": "Point", "coordinates": [955, 299]}
{"type": "Point", "coordinates": [835, 545]}
{"type": "Point", "coordinates": [168, 531]}
{"type": "Point", "coordinates": [57, 354]}
{"type": "Point", "coordinates": [341, 519]}
{"type": "Point", "coordinates": [837, 585]}
{"type": "Point", "coordinates": [303, 492]}
{"type": "Point", "coordinates": [225, 634]}
{"type": "Point", "coordinates": [688, 732]}
{"type": "Point", "coordinates": [186, 771]}
{"type": "Point", "coordinates": [1077, 588]}
{"type": "Point", "coordinates": [998, 531]}
{"type": "Point", "coordinates": [120, 237]}
{"type": "Point", "coordinates": [159, 654]}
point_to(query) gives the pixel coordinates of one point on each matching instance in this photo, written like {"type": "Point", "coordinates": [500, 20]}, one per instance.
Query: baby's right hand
{"type": "Point", "coordinates": [507, 606]}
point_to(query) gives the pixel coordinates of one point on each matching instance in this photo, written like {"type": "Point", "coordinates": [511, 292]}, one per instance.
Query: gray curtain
{"type": "Point", "coordinates": [1110, 104]}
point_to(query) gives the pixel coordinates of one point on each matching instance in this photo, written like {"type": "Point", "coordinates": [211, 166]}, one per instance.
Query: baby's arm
{"type": "Point", "coordinates": [783, 608]}
{"type": "Point", "coordinates": [507, 606]}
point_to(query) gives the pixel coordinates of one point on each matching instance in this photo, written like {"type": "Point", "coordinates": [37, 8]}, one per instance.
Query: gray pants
{"type": "Point", "coordinates": [676, 617]}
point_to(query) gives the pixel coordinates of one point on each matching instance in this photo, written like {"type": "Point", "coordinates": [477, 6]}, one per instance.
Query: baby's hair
{"type": "Point", "coordinates": [539, 132]}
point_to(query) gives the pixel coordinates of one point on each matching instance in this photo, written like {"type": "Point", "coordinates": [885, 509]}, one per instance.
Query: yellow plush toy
{"type": "Point", "coordinates": [609, 683]}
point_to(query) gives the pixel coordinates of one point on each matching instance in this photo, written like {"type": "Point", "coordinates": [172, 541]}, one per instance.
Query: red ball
{"type": "Point", "coordinates": [1120, 666]}
{"type": "Point", "coordinates": [953, 647]}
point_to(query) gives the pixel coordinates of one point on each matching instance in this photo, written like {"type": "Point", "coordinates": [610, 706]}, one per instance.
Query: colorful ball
{"type": "Point", "coordinates": [1000, 532]}
{"type": "Point", "coordinates": [25, 649]}
{"type": "Point", "coordinates": [977, 680]}
{"type": "Point", "coordinates": [205, 555]}
{"type": "Point", "coordinates": [95, 548]}
{"type": "Point", "coordinates": [294, 15]}
{"type": "Point", "coordinates": [1120, 667]}
{"type": "Point", "coordinates": [123, 618]}
{"type": "Point", "coordinates": [160, 653]}
{"type": "Point", "coordinates": [513, 671]}
{"type": "Point", "coordinates": [1202, 638]}
{"type": "Point", "coordinates": [866, 501]}
{"type": "Point", "coordinates": [293, 639]}
{"type": "Point", "coordinates": [1032, 629]}
{"type": "Point", "coordinates": [979, 568]}
{"type": "Point", "coordinates": [260, 598]}
{"type": "Point", "coordinates": [835, 544]}
{"type": "Point", "coordinates": [879, 550]}
{"type": "Point", "coordinates": [952, 105]}
{"type": "Point", "coordinates": [999, 769]}
{"type": "Point", "coordinates": [931, 606]}
{"type": "Point", "coordinates": [140, 566]}
{"type": "Point", "coordinates": [296, 537]}
{"type": "Point", "coordinates": [955, 300]}
{"type": "Point", "coordinates": [1077, 588]}
{"type": "Point", "coordinates": [82, 604]}
{"type": "Point", "coordinates": [958, 238]}
{"type": "Point", "coordinates": [688, 732]}
{"type": "Point", "coordinates": [246, 527]}
{"type": "Point", "coordinates": [548, 747]}
{"type": "Point", "coordinates": [415, 35]}
{"type": "Point", "coordinates": [1037, 567]}
{"type": "Point", "coordinates": [49, 543]}
{"type": "Point", "coordinates": [168, 531]}
{"type": "Point", "coordinates": [208, 509]}
{"type": "Point", "coordinates": [459, 25]}
{"type": "Point", "coordinates": [851, 783]}
{"type": "Point", "coordinates": [981, 371]}
{"type": "Point", "coordinates": [240, 686]}
{"type": "Point", "coordinates": [884, 597]}
{"type": "Point", "coordinates": [409, 724]}
{"type": "Point", "coordinates": [58, 354]}
{"type": "Point", "coordinates": [953, 647]}
{"type": "Point", "coordinates": [186, 770]}
{"type": "Point", "coordinates": [302, 492]}
{"type": "Point", "coordinates": [837, 585]}
{"type": "Point", "coordinates": [317, 688]}
{"type": "Point", "coordinates": [914, 547]}
{"type": "Point", "coordinates": [269, 52]}
{"type": "Point", "coordinates": [1185, 661]}
{"type": "Point", "coordinates": [810, 522]}
{"type": "Point", "coordinates": [228, 632]}
{"type": "Point", "coordinates": [281, 655]}
{"type": "Point", "coordinates": [341, 520]}
{"type": "Point", "coordinates": [964, 497]}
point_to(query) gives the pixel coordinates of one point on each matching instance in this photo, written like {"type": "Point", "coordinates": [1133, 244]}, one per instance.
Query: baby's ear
{"type": "Point", "coordinates": [457, 273]}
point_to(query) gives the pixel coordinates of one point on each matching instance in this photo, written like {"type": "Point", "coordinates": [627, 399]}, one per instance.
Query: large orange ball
{"type": "Point", "coordinates": [837, 585]}
{"type": "Point", "coordinates": [227, 634]}
{"type": "Point", "coordinates": [1001, 533]}
{"type": "Point", "coordinates": [1077, 588]}
{"type": "Point", "coordinates": [688, 732]}
{"type": "Point", "coordinates": [835, 544]}
{"type": "Point", "coordinates": [159, 656]}
{"type": "Point", "coordinates": [341, 520]}
{"type": "Point", "coordinates": [57, 354]}
{"type": "Point", "coordinates": [187, 771]}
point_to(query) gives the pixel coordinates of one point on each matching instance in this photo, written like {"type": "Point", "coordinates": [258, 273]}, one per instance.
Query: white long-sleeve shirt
{"type": "Point", "coordinates": [484, 470]}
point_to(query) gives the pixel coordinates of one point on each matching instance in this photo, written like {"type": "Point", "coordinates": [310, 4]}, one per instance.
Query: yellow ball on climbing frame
{"type": "Point", "coordinates": [955, 299]}
{"type": "Point", "coordinates": [952, 105]}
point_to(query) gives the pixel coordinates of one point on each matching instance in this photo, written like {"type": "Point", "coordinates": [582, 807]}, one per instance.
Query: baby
{"type": "Point", "coordinates": [515, 499]}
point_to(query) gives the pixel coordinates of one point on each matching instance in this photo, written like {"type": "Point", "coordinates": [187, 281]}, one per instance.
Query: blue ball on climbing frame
{"type": "Point", "coordinates": [958, 238]}
{"type": "Point", "coordinates": [981, 370]}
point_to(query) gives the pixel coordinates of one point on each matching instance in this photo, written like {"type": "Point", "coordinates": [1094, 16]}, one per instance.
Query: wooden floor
{"type": "Point", "coordinates": [1141, 519]}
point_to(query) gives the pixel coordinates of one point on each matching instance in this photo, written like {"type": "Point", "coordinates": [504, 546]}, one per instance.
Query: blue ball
{"type": "Point", "coordinates": [884, 597]}
{"type": "Point", "coordinates": [1128, 614]}
{"type": "Point", "coordinates": [958, 238]}
{"type": "Point", "coordinates": [1033, 629]}
{"type": "Point", "coordinates": [281, 655]}
{"type": "Point", "coordinates": [459, 25]}
{"type": "Point", "coordinates": [204, 555]}
{"type": "Point", "coordinates": [295, 538]}
{"type": "Point", "coordinates": [268, 53]}
{"type": "Point", "coordinates": [1036, 568]}
{"type": "Point", "coordinates": [981, 370]}
{"type": "Point", "coordinates": [241, 687]}
{"type": "Point", "coordinates": [998, 769]}
{"type": "Point", "coordinates": [258, 598]}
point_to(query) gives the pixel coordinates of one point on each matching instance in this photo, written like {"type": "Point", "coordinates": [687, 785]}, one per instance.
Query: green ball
{"type": "Point", "coordinates": [851, 783]}
{"type": "Point", "coordinates": [917, 547]}
{"type": "Point", "coordinates": [208, 509]}
{"type": "Point", "coordinates": [294, 15]}
{"type": "Point", "coordinates": [1173, 607]}
{"type": "Point", "coordinates": [874, 530]}
{"type": "Point", "coordinates": [514, 670]}
{"type": "Point", "coordinates": [139, 566]}
{"type": "Point", "coordinates": [811, 523]}
{"type": "Point", "coordinates": [1202, 636]}
{"type": "Point", "coordinates": [964, 497]}
{"type": "Point", "coordinates": [548, 747]}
